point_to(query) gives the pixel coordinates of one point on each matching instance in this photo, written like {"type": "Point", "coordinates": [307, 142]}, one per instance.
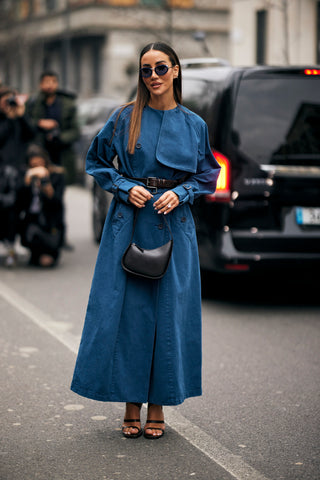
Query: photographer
{"type": "Point", "coordinates": [40, 204]}
{"type": "Point", "coordinates": [54, 116]}
{"type": "Point", "coordinates": [15, 133]}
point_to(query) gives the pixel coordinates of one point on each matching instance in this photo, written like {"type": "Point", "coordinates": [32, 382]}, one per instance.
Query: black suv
{"type": "Point", "coordinates": [264, 126]}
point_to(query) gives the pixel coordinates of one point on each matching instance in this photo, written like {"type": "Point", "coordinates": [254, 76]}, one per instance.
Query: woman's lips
{"type": "Point", "coordinates": [155, 85]}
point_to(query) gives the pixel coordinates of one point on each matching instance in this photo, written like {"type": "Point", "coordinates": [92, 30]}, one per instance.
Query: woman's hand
{"type": "Point", "coordinates": [138, 196]}
{"type": "Point", "coordinates": [167, 202]}
{"type": "Point", "coordinates": [48, 124]}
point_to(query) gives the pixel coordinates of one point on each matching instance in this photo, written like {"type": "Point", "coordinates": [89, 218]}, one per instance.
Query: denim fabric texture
{"type": "Point", "coordinates": [141, 340]}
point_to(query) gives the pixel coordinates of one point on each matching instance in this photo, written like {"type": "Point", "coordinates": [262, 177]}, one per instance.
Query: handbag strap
{"type": "Point", "coordinates": [135, 216]}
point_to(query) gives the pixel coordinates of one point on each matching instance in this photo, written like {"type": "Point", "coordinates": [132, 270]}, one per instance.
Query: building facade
{"type": "Point", "coordinates": [275, 32]}
{"type": "Point", "coordinates": [93, 44]}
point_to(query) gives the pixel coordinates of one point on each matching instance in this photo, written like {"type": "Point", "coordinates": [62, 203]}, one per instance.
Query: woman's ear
{"type": "Point", "coordinates": [175, 71]}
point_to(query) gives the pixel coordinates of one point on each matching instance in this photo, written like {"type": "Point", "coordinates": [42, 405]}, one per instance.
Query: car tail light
{"type": "Point", "coordinates": [237, 267]}
{"type": "Point", "coordinates": [222, 193]}
{"type": "Point", "coordinates": [311, 71]}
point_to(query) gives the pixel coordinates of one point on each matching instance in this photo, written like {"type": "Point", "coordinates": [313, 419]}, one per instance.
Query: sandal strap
{"type": "Point", "coordinates": [154, 428]}
{"type": "Point", "coordinates": [155, 421]}
{"type": "Point", "coordinates": [131, 420]}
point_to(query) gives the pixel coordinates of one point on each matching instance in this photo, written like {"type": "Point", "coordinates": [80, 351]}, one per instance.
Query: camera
{"type": "Point", "coordinates": [54, 134]}
{"type": "Point", "coordinates": [45, 181]}
{"type": "Point", "coordinates": [12, 101]}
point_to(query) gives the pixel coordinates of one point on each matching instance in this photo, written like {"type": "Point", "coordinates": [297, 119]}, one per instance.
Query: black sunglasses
{"type": "Point", "coordinates": [160, 70]}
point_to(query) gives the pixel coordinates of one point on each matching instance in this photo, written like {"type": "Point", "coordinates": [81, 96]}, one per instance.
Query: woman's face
{"type": "Point", "coordinates": [156, 84]}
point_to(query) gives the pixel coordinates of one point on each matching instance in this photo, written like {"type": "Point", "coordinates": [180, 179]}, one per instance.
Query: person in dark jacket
{"type": "Point", "coordinates": [54, 115]}
{"type": "Point", "coordinates": [16, 132]}
{"type": "Point", "coordinates": [9, 182]}
{"type": "Point", "coordinates": [40, 205]}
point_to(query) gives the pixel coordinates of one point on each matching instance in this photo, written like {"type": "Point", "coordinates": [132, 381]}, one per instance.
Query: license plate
{"type": "Point", "coordinates": [308, 216]}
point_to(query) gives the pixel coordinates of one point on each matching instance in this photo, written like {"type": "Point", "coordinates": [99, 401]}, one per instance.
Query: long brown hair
{"type": "Point", "coordinates": [143, 94]}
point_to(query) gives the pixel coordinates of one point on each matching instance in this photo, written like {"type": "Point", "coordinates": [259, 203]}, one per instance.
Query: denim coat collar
{"type": "Point", "coordinates": [177, 143]}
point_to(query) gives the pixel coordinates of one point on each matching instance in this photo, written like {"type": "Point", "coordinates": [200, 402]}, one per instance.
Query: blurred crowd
{"type": "Point", "coordinates": [36, 163]}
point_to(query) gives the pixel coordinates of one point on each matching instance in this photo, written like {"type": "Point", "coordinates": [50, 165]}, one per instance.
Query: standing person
{"type": "Point", "coordinates": [15, 132]}
{"type": "Point", "coordinates": [40, 207]}
{"type": "Point", "coordinates": [54, 115]}
{"type": "Point", "coordinates": [142, 338]}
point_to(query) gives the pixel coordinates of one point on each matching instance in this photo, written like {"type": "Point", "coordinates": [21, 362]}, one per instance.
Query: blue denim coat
{"type": "Point", "coordinates": [141, 340]}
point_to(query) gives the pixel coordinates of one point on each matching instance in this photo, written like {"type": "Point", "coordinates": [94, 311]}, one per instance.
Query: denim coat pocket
{"type": "Point", "coordinates": [122, 215]}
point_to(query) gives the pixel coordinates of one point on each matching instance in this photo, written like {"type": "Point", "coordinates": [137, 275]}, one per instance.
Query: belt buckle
{"type": "Point", "coordinates": [149, 184]}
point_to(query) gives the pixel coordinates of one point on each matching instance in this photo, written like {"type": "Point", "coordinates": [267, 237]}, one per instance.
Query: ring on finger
{"type": "Point", "coordinates": [169, 205]}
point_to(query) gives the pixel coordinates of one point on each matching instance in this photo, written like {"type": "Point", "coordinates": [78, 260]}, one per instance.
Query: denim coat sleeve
{"type": "Point", "coordinates": [100, 158]}
{"type": "Point", "coordinates": [204, 180]}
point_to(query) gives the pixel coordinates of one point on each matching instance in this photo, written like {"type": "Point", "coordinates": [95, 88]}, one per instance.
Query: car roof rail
{"type": "Point", "coordinates": [200, 62]}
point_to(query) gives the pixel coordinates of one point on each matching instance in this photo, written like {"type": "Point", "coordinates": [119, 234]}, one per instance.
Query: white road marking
{"type": "Point", "coordinates": [233, 464]}
{"type": "Point", "coordinates": [44, 321]}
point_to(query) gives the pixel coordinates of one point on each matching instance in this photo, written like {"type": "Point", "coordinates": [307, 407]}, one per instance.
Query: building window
{"type": "Point", "coordinates": [121, 3]}
{"type": "Point", "coordinates": [261, 39]}
{"type": "Point", "coordinates": [158, 3]}
{"type": "Point", "coordinates": [24, 9]}
{"type": "Point", "coordinates": [181, 3]}
{"type": "Point", "coordinates": [169, 3]}
{"type": "Point", "coordinates": [51, 5]}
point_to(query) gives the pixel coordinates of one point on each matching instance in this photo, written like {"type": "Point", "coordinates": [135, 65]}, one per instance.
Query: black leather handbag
{"type": "Point", "coordinates": [151, 264]}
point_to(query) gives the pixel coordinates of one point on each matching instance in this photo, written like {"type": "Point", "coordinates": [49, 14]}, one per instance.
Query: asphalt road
{"type": "Point", "coordinates": [258, 418]}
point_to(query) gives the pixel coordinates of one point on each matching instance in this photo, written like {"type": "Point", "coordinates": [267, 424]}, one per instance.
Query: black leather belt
{"type": "Point", "coordinates": [154, 182]}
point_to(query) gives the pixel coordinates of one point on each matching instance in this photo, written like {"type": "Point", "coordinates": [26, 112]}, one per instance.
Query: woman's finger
{"type": "Point", "coordinates": [138, 196]}
{"type": "Point", "coordinates": [167, 202]}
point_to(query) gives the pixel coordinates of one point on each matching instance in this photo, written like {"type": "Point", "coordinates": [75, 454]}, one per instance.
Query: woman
{"type": "Point", "coordinates": [41, 211]}
{"type": "Point", "coordinates": [142, 338]}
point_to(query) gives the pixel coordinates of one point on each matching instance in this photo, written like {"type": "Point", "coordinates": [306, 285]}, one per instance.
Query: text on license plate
{"type": "Point", "coordinates": [308, 216]}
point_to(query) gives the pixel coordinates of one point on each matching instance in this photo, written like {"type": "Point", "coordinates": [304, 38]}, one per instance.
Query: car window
{"type": "Point", "coordinates": [277, 120]}
{"type": "Point", "coordinates": [196, 93]}
{"type": "Point", "coordinates": [94, 111]}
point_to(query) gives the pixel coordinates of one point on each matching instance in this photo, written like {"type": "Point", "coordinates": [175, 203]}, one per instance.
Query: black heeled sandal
{"type": "Point", "coordinates": [150, 436]}
{"type": "Point", "coordinates": [132, 420]}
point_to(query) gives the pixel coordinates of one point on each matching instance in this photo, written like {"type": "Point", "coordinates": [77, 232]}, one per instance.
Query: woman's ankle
{"type": "Point", "coordinates": [155, 412]}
